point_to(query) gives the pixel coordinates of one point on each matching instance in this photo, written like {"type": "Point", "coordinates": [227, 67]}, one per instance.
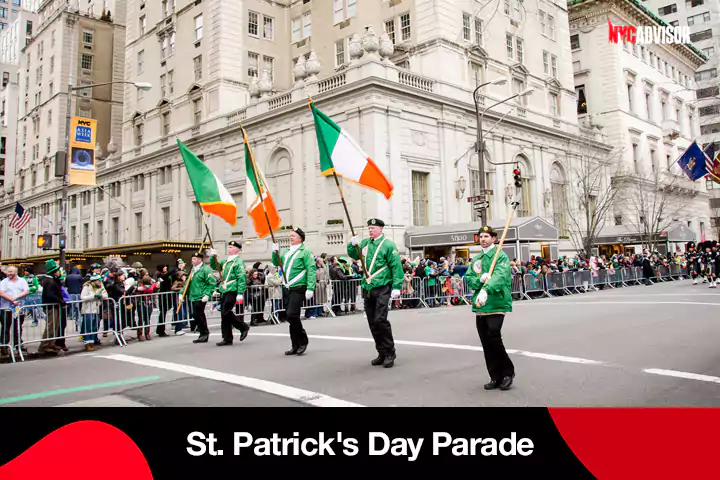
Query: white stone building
{"type": "Point", "coordinates": [214, 64]}
{"type": "Point", "coordinates": [643, 98]}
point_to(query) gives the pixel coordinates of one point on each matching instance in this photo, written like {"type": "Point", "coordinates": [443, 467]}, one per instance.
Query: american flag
{"type": "Point", "coordinates": [21, 218]}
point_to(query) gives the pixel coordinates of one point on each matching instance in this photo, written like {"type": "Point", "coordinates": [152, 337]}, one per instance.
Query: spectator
{"type": "Point", "coordinates": [92, 295]}
{"type": "Point", "coordinates": [12, 290]}
{"type": "Point", "coordinates": [460, 267]}
{"type": "Point", "coordinates": [165, 303]}
{"type": "Point", "coordinates": [74, 285]}
{"type": "Point", "coordinates": [274, 283]}
{"type": "Point", "coordinates": [52, 298]}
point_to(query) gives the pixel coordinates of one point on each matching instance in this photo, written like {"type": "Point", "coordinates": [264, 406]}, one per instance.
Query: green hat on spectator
{"type": "Point", "coordinates": [51, 267]}
{"type": "Point", "coordinates": [95, 278]}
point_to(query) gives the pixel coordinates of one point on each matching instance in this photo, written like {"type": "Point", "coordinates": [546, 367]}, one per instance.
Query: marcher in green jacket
{"type": "Point", "coordinates": [202, 286]}
{"type": "Point", "coordinates": [382, 282]}
{"type": "Point", "coordinates": [491, 301]}
{"type": "Point", "coordinates": [299, 273]}
{"type": "Point", "coordinates": [233, 277]}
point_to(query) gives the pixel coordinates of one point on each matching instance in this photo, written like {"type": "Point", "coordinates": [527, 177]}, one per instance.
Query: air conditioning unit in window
{"type": "Point", "coordinates": [395, 2]}
{"type": "Point", "coordinates": [301, 43]}
{"type": "Point", "coordinates": [514, 23]}
{"type": "Point", "coordinates": [344, 24]}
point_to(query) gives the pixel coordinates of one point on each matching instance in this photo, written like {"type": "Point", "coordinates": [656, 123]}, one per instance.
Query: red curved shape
{"type": "Point", "coordinates": [71, 453]}
{"type": "Point", "coordinates": [623, 443]}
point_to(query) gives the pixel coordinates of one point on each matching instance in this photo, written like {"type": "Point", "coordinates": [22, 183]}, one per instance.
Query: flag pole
{"type": "Point", "coordinates": [262, 201]}
{"type": "Point", "coordinates": [502, 239]}
{"type": "Point", "coordinates": [347, 212]}
{"type": "Point", "coordinates": [207, 233]}
{"type": "Point", "coordinates": [187, 284]}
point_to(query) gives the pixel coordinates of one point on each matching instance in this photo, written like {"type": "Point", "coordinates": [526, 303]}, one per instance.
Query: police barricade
{"type": "Point", "coordinates": [533, 284]}
{"type": "Point", "coordinates": [613, 278]}
{"type": "Point", "coordinates": [583, 280]}
{"type": "Point", "coordinates": [627, 275]}
{"type": "Point", "coordinates": [569, 283]}
{"type": "Point", "coordinates": [601, 279]}
{"type": "Point", "coordinates": [145, 312]}
{"type": "Point", "coordinates": [324, 294]}
{"type": "Point", "coordinates": [683, 272]}
{"type": "Point", "coordinates": [8, 341]}
{"type": "Point", "coordinates": [516, 287]}
{"type": "Point", "coordinates": [445, 291]}
{"type": "Point", "coordinates": [640, 276]}
{"type": "Point", "coordinates": [61, 325]}
{"type": "Point", "coordinates": [663, 272]}
{"type": "Point", "coordinates": [554, 282]}
{"type": "Point", "coordinates": [412, 293]}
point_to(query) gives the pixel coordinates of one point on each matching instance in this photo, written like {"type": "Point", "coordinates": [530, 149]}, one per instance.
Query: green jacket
{"type": "Point", "coordinates": [233, 276]}
{"type": "Point", "coordinates": [382, 262]}
{"type": "Point", "coordinates": [202, 283]}
{"type": "Point", "coordinates": [33, 285]}
{"type": "Point", "coordinates": [299, 268]}
{"type": "Point", "coordinates": [499, 286]}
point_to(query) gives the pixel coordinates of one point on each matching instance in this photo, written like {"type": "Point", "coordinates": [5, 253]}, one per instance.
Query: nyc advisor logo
{"type": "Point", "coordinates": [646, 35]}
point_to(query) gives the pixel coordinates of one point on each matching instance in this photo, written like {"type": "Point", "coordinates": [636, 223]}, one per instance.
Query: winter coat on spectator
{"type": "Point", "coordinates": [74, 282]}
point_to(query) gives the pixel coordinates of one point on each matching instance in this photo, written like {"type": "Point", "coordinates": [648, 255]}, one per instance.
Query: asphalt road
{"type": "Point", "coordinates": [638, 346]}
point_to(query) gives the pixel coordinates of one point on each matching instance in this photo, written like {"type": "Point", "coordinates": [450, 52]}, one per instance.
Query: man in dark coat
{"type": "Point", "coordinates": [52, 297]}
{"type": "Point", "coordinates": [647, 269]}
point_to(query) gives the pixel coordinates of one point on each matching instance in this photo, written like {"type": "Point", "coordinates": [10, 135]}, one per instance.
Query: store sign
{"type": "Point", "coordinates": [449, 239]}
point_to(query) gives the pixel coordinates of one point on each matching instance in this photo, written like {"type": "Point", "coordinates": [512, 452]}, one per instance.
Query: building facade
{"type": "Point", "coordinates": [643, 98]}
{"type": "Point", "coordinates": [374, 69]}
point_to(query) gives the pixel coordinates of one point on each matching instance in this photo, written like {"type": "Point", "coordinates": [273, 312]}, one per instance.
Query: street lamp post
{"type": "Point", "coordinates": [68, 117]}
{"type": "Point", "coordinates": [480, 145]}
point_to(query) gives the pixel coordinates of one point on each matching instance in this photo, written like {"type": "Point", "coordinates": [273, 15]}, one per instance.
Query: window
{"type": "Point", "coordinates": [171, 82]}
{"type": "Point", "coordinates": [165, 175]}
{"type": "Point", "coordinates": [708, 92]}
{"type": "Point", "coordinates": [86, 61]}
{"type": "Point", "coordinates": [99, 233]}
{"type": "Point", "coordinates": [163, 82]}
{"type": "Point", "coordinates": [405, 27]}
{"type": "Point", "coordinates": [138, 226]}
{"type": "Point", "coordinates": [706, 75]}
{"type": "Point", "coordinates": [197, 64]}
{"type": "Point", "coordinates": [142, 25]}
{"type": "Point", "coordinates": [139, 128]}
{"type": "Point", "coordinates": [172, 43]}
{"type": "Point", "coordinates": [253, 61]}
{"type": "Point", "coordinates": [268, 28]}
{"type": "Point", "coordinates": [163, 48]}
{"type": "Point", "coordinates": [518, 87]}
{"type": "Point", "coordinates": [554, 104]}
{"type": "Point", "coordinates": [340, 53]}
{"type": "Point", "coordinates": [630, 97]}
{"type": "Point", "coordinates": [699, 18]}
{"type": "Point", "coordinates": [269, 65]}
{"type": "Point", "coordinates": [709, 52]}
{"type": "Point", "coordinates": [198, 220]}
{"type": "Point", "coordinates": [86, 235]}
{"type": "Point", "coordinates": [197, 109]}
{"type": "Point", "coordinates": [343, 10]}
{"type": "Point", "coordinates": [198, 27]}
{"type": "Point", "coordinates": [115, 231]}
{"type": "Point", "coordinates": [551, 27]}
{"type": "Point", "coordinates": [420, 198]}
{"type": "Point", "coordinates": [554, 67]}
{"type": "Point", "coordinates": [702, 35]}
{"type": "Point", "coordinates": [693, 3]}
{"type": "Point", "coordinates": [166, 123]}
{"type": "Point", "coordinates": [663, 109]}
{"type": "Point", "coordinates": [653, 160]}
{"type": "Point", "coordinates": [467, 33]}
{"type": "Point", "coordinates": [478, 31]}
{"type": "Point", "coordinates": [73, 236]}
{"type": "Point", "coordinates": [140, 63]}
{"type": "Point", "coordinates": [47, 145]}
{"type": "Point", "coordinates": [166, 222]}
{"type": "Point", "coordinates": [390, 29]}
{"type": "Point", "coordinates": [668, 9]}
{"type": "Point", "coordinates": [635, 157]}
{"type": "Point", "coordinates": [709, 110]}
{"type": "Point", "coordinates": [546, 62]}
{"type": "Point", "coordinates": [253, 24]}
{"type": "Point", "coordinates": [519, 46]}
{"type": "Point", "coordinates": [648, 112]}
{"type": "Point", "coordinates": [576, 66]}
{"type": "Point", "coordinates": [509, 43]}
{"type": "Point", "coordinates": [574, 42]}
{"type": "Point", "coordinates": [46, 174]}
{"type": "Point", "coordinates": [52, 64]}
{"type": "Point", "coordinates": [138, 183]}
{"type": "Point", "coordinates": [100, 194]}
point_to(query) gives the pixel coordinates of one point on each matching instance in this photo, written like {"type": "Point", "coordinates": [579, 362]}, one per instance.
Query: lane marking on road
{"type": "Point", "coordinates": [85, 388]}
{"type": "Point", "coordinates": [580, 302]}
{"type": "Point", "coordinates": [474, 348]}
{"type": "Point", "coordinates": [678, 374]}
{"type": "Point", "coordinates": [292, 393]}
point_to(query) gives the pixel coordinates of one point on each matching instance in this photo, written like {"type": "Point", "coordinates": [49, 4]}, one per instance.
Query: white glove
{"type": "Point", "coordinates": [485, 277]}
{"type": "Point", "coordinates": [213, 252]}
{"type": "Point", "coordinates": [481, 299]}
{"type": "Point", "coordinates": [309, 294]}
{"type": "Point", "coordinates": [205, 299]}
{"type": "Point", "coordinates": [239, 298]}
{"type": "Point", "coordinates": [395, 294]}
{"type": "Point", "coordinates": [275, 247]}
{"type": "Point", "coordinates": [355, 241]}
{"type": "Point", "coordinates": [180, 298]}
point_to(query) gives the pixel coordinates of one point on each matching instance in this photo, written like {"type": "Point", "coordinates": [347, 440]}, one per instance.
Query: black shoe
{"type": "Point", "coordinates": [378, 361]}
{"type": "Point", "coordinates": [389, 361]}
{"type": "Point", "coordinates": [244, 333]}
{"type": "Point", "coordinates": [492, 385]}
{"type": "Point", "coordinates": [292, 352]}
{"type": "Point", "coordinates": [224, 343]}
{"type": "Point", "coordinates": [201, 339]}
{"type": "Point", "coordinates": [301, 349]}
{"type": "Point", "coordinates": [506, 383]}
{"type": "Point", "coordinates": [163, 334]}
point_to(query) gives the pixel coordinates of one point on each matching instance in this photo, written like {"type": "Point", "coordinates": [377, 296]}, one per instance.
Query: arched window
{"type": "Point", "coordinates": [558, 190]}
{"type": "Point", "coordinates": [525, 207]}
{"type": "Point", "coordinates": [279, 177]}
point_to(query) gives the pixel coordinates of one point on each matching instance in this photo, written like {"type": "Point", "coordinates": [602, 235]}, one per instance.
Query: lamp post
{"type": "Point", "coordinates": [480, 145]}
{"type": "Point", "coordinates": [68, 116]}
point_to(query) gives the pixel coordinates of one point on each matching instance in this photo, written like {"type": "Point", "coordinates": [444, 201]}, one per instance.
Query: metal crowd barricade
{"type": "Point", "coordinates": [627, 276]}
{"type": "Point", "coordinates": [148, 311]}
{"type": "Point", "coordinates": [612, 278]}
{"type": "Point", "coordinates": [533, 284]}
{"type": "Point", "coordinates": [8, 342]}
{"type": "Point", "coordinates": [321, 301]}
{"type": "Point", "coordinates": [569, 282]}
{"type": "Point", "coordinates": [344, 295]}
{"type": "Point", "coordinates": [555, 281]}
{"type": "Point", "coordinates": [414, 293]}
{"type": "Point", "coordinates": [446, 291]}
{"type": "Point", "coordinates": [516, 288]}
{"type": "Point", "coordinates": [583, 280]}
{"type": "Point", "coordinates": [640, 276]}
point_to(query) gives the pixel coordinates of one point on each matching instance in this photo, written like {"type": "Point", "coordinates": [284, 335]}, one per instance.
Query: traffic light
{"type": "Point", "coordinates": [44, 242]}
{"type": "Point", "coordinates": [517, 177]}
{"type": "Point", "coordinates": [61, 242]}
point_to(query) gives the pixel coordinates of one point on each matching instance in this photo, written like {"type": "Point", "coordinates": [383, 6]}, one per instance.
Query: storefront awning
{"type": "Point", "coordinates": [532, 229]}
{"type": "Point", "coordinates": [142, 248]}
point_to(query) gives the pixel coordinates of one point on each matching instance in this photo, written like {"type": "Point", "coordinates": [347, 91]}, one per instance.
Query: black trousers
{"type": "Point", "coordinates": [293, 299]}
{"type": "Point", "coordinates": [229, 320]}
{"type": "Point", "coordinates": [200, 319]}
{"type": "Point", "coordinates": [377, 302]}
{"type": "Point", "coordinates": [6, 319]}
{"type": "Point", "coordinates": [497, 360]}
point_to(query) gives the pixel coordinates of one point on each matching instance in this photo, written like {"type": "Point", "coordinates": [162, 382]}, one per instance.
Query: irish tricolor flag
{"type": "Point", "coordinates": [260, 205]}
{"type": "Point", "coordinates": [212, 195]}
{"type": "Point", "coordinates": [340, 153]}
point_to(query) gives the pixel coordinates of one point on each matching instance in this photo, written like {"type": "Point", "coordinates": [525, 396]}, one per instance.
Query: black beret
{"type": "Point", "coordinates": [376, 222]}
{"type": "Point", "coordinates": [488, 229]}
{"type": "Point", "coordinates": [198, 255]}
{"type": "Point", "coordinates": [300, 232]}
{"type": "Point", "coordinates": [235, 244]}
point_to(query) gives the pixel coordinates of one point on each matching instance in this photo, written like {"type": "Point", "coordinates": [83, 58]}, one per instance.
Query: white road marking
{"type": "Point", "coordinates": [675, 373]}
{"type": "Point", "coordinates": [579, 302]}
{"type": "Point", "coordinates": [292, 393]}
{"type": "Point", "coordinates": [474, 348]}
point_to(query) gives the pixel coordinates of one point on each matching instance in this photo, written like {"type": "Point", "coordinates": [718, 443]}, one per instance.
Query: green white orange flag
{"type": "Point", "coordinates": [339, 153]}
{"type": "Point", "coordinates": [260, 204]}
{"type": "Point", "coordinates": [210, 193]}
